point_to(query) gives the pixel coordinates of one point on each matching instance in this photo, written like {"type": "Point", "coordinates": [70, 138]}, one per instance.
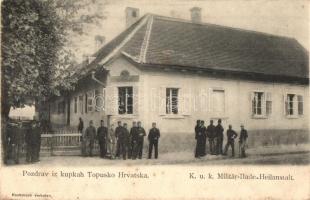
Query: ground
{"type": "Point", "coordinates": [273, 155]}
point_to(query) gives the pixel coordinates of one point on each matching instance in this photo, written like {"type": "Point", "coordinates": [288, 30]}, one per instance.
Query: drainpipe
{"type": "Point", "coordinates": [95, 79]}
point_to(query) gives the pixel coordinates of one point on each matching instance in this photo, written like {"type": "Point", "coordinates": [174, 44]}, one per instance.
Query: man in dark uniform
{"type": "Point", "coordinates": [102, 133]}
{"type": "Point", "coordinates": [36, 141]}
{"type": "Point", "coordinates": [231, 136]}
{"type": "Point", "coordinates": [123, 139]}
{"type": "Point", "coordinates": [118, 131]}
{"type": "Point", "coordinates": [153, 138]}
{"type": "Point", "coordinates": [90, 135]}
{"type": "Point", "coordinates": [211, 136]}
{"type": "Point", "coordinates": [131, 145]}
{"type": "Point", "coordinates": [81, 125]}
{"type": "Point", "coordinates": [29, 138]}
{"type": "Point", "coordinates": [201, 137]}
{"type": "Point", "coordinates": [139, 138]}
{"type": "Point", "coordinates": [242, 141]}
{"type": "Point", "coordinates": [219, 137]}
{"type": "Point", "coordinates": [16, 140]}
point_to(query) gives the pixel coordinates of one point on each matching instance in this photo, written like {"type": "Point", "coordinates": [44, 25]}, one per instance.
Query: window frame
{"type": "Point", "coordinates": [295, 106]}
{"type": "Point", "coordinates": [169, 101]}
{"type": "Point", "coordinates": [127, 111]}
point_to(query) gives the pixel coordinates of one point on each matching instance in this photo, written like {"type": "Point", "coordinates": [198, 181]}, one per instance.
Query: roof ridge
{"type": "Point", "coordinates": [140, 24]}
{"type": "Point", "coordinates": [146, 39]}
{"type": "Point", "coordinates": [161, 17]}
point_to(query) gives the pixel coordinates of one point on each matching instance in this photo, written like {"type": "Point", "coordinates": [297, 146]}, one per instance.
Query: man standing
{"type": "Point", "coordinates": [81, 125]}
{"type": "Point", "coordinates": [231, 136]}
{"type": "Point", "coordinates": [102, 133]}
{"type": "Point", "coordinates": [201, 137]}
{"type": "Point", "coordinates": [211, 136]}
{"type": "Point", "coordinates": [219, 137]}
{"type": "Point", "coordinates": [118, 131]}
{"type": "Point", "coordinates": [111, 141]}
{"type": "Point", "coordinates": [242, 141]}
{"type": "Point", "coordinates": [123, 138]}
{"type": "Point", "coordinates": [131, 144]}
{"type": "Point", "coordinates": [36, 130]}
{"type": "Point", "coordinates": [90, 134]}
{"type": "Point", "coordinates": [153, 138]}
{"type": "Point", "coordinates": [139, 137]}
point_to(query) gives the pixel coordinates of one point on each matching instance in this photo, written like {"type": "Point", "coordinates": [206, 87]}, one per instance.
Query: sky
{"type": "Point", "coordinates": [279, 17]}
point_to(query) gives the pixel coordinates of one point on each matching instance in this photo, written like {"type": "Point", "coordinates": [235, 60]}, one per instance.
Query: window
{"type": "Point", "coordinates": [81, 104]}
{"type": "Point", "coordinates": [75, 104]}
{"type": "Point", "coordinates": [261, 104]}
{"type": "Point", "coordinates": [172, 100]}
{"type": "Point", "coordinates": [90, 101]}
{"type": "Point", "coordinates": [218, 99]}
{"type": "Point", "coordinates": [293, 105]}
{"type": "Point", "coordinates": [61, 107]}
{"type": "Point", "coordinates": [257, 103]}
{"type": "Point", "coordinates": [125, 100]}
{"type": "Point", "coordinates": [134, 14]}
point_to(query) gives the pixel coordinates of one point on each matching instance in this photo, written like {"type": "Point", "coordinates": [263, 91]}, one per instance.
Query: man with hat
{"type": "Point", "coordinates": [102, 134]}
{"type": "Point", "coordinates": [90, 134]}
{"type": "Point", "coordinates": [153, 138]}
{"type": "Point", "coordinates": [231, 136]}
{"type": "Point", "coordinates": [219, 137]}
{"type": "Point", "coordinates": [118, 131]}
{"type": "Point", "coordinates": [211, 136]}
{"type": "Point", "coordinates": [242, 141]}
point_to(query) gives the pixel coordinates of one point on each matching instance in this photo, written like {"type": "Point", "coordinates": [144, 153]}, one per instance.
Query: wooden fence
{"type": "Point", "coordinates": [63, 143]}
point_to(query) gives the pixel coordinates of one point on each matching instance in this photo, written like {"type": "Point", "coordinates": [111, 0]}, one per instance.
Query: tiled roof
{"type": "Point", "coordinates": [163, 41]}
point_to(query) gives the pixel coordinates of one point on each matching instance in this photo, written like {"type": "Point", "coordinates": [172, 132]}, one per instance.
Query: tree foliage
{"type": "Point", "coordinates": [34, 44]}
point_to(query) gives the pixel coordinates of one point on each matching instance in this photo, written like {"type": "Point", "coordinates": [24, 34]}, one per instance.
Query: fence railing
{"type": "Point", "coordinates": [63, 143]}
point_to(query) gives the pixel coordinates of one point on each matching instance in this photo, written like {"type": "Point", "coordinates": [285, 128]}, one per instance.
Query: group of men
{"type": "Point", "coordinates": [119, 142]}
{"type": "Point", "coordinates": [18, 133]}
{"type": "Point", "coordinates": [215, 136]}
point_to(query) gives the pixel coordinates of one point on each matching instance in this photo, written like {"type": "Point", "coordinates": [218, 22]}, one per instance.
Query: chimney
{"type": "Point", "coordinates": [196, 14]}
{"type": "Point", "coordinates": [132, 15]}
{"type": "Point", "coordinates": [99, 41]}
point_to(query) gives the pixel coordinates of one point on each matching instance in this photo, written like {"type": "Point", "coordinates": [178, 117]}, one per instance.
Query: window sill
{"type": "Point", "coordinates": [259, 117]}
{"type": "Point", "coordinates": [126, 116]}
{"type": "Point", "coordinates": [293, 116]}
{"type": "Point", "coordinates": [176, 116]}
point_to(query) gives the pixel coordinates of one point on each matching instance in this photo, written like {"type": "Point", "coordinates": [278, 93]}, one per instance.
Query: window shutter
{"type": "Point", "coordinates": [264, 99]}
{"type": "Point", "coordinates": [210, 103]}
{"type": "Point", "coordinates": [162, 101]}
{"type": "Point", "coordinates": [103, 98]}
{"type": "Point", "coordinates": [285, 105]}
{"type": "Point", "coordinates": [111, 100]}
{"type": "Point", "coordinates": [300, 105]}
{"type": "Point", "coordinates": [185, 97]}
{"type": "Point", "coordinates": [268, 103]}
{"type": "Point", "coordinates": [135, 93]}
{"type": "Point", "coordinates": [252, 106]}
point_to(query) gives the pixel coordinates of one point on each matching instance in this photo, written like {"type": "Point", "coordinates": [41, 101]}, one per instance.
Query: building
{"type": "Point", "coordinates": [173, 72]}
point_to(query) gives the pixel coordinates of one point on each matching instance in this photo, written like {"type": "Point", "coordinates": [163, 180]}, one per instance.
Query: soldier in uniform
{"type": "Point", "coordinates": [123, 139]}
{"type": "Point", "coordinates": [29, 137]}
{"type": "Point", "coordinates": [90, 135]}
{"type": "Point", "coordinates": [81, 125]}
{"type": "Point", "coordinates": [102, 133]}
{"type": "Point", "coordinates": [16, 140]}
{"type": "Point", "coordinates": [111, 141]}
{"type": "Point", "coordinates": [242, 141]}
{"type": "Point", "coordinates": [118, 131]}
{"type": "Point", "coordinates": [131, 145]}
{"type": "Point", "coordinates": [197, 134]}
{"type": "Point", "coordinates": [141, 135]}
{"type": "Point", "coordinates": [153, 138]}
{"type": "Point", "coordinates": [231, 136]}
{"type": "Point", "coordinates": [36, 141]}
{"type": "Point", "coordinates": [211, 137]}
{"type": "Point", "coordinates": [219, 137]}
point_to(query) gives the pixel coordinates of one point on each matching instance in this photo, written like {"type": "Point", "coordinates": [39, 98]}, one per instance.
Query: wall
{"type": "Point", "coordinates": [237, 104]}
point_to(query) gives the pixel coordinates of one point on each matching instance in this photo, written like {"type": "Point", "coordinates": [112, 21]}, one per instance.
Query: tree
{"type": "Point", "coordinates": [35, 53]}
